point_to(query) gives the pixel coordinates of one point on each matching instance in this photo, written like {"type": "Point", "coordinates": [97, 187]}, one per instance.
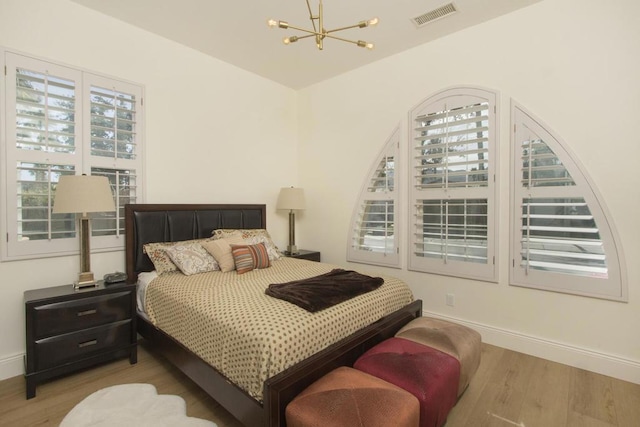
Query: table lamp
{"type": "Point", "coordinates": [292, 199]}
{"type": "Point", "coordinates": [81, 195]}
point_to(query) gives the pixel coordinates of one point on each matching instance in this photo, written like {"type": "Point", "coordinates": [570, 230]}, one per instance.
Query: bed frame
{"type": "Point", "coordinates": [145, 223]}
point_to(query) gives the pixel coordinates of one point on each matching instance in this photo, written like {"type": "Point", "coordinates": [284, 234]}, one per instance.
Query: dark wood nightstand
{"type": "Point", "coordinates": [304, 254]}
{"type": "Point", "coordinates": [69, 329]}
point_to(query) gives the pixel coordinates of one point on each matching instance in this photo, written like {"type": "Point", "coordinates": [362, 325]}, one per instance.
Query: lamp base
{"type": "Point", "coordinates": [85, 280]}
{"type": "Point", "coordinates": [292, 250]}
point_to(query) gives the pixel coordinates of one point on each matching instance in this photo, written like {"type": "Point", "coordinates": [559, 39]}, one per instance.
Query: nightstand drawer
{"type": "Point", "coordinates": [58, 318]}
{"type": "Point", "coordinates": [71, 347]}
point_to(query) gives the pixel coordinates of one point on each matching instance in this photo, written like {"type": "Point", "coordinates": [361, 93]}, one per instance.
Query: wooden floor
{"type": "Point", "coordinates": [509, 389]}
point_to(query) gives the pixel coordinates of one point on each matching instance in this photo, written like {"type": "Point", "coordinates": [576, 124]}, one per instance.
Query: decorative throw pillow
{"type": "Point", "coordinates": [251, 236]}
{"type": "Point", "coordinates": [250, 257]}
{"type": "Point", "coordinates": [159, 257]}
{"type": "Point", "coordinates": [192, 258]}
{"type": "Point", "coordinates": [221, 250]}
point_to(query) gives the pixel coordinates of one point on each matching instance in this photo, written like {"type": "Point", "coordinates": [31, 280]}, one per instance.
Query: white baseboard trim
{"type": "Point", "coordinates": [12, 366]}
{"type": "Point", "coordinates": [601, 363]}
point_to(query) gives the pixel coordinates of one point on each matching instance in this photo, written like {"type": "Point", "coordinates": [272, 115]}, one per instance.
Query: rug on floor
{"type": "Point", "coordinates": [131, 405]}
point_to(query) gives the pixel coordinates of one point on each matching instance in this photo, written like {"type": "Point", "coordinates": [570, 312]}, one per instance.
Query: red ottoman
{"type": "Point", "coordinates": [430, 375]}
{"type": "Point", "coordinates": [456, 340]}
{"type": "Point", "coordinates": [346, 397]}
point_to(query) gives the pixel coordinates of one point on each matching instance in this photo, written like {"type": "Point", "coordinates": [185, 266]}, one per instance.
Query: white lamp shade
{"type": "Point", "coordinates": [291, 198]}
{"type": "Point", "coordinates": [83, 194]}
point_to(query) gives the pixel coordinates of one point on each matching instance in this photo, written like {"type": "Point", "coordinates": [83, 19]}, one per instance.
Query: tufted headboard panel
{"type": "Point", "coordinates": [146, 223]}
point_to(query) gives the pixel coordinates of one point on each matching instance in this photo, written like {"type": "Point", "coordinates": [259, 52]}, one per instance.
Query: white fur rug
{"type": "Point", "coordinates": [131, 405]}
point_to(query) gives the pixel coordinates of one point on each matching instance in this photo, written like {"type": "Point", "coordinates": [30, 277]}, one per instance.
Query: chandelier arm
{"type": "Point", "coordinates": [343, 28]}
{"type": "Point", "coordinates": [306, 36]}
{"type": "Point", "coordinates": [341, 39]}
{"type": "Point", "coordinates": [305, 30]}
{"type": "Point", "coordinates": [311, 17]}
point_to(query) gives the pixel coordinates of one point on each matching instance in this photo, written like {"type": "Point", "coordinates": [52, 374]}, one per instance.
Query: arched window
{"type": "Point", "coordinates": [452, 190]}
{"type": "Point", "coordinates": [562, 239]}
{"type": "Point", "coordinates": [373, 238]}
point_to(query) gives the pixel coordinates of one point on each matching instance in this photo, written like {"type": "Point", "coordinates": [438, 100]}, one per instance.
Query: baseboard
{"type": "Point", "coordinates": [12, 366]}
{"type": "Point", "coordinates": [601, 363]}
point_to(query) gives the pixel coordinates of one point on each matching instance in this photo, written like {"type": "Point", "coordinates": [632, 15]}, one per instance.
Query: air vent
{"type": "Point", "coordinates": [434, 15]}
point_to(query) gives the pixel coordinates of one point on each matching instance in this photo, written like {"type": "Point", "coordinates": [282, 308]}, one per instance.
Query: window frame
{"type": "Point", "coordinates": [446, 100]}
{"type": "Point", "coordinates": [81, 158]}
{"type": "Point", "coordinates": [614, 287]}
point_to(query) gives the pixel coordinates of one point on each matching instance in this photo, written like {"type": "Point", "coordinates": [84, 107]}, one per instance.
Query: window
{"type": "Point", "coordinates": [561, 238]}
{"type": "Point", "coordinates": [453, 184]}
{"type": "Point", "coordinates": [63, 121]}
{"type": "Point", "coordinates": [373, 238]}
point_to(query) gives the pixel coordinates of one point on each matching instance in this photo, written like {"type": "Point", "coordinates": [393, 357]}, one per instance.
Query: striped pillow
{"type": "Point", "coordinates": [249, 257]}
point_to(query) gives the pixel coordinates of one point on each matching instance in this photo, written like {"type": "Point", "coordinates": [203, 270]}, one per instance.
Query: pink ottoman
{"type": "Point", "coordinates": [430, 375]}
{"type": "Point", "coordinates": [346, 397]}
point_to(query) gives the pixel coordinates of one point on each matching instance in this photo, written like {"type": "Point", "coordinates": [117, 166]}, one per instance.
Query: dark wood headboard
{"type": "Point", "coordinates": [147, 223]}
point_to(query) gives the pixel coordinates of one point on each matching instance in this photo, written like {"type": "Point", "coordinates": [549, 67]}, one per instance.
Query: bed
{"type": "Point", "coordinates": [146, 223]}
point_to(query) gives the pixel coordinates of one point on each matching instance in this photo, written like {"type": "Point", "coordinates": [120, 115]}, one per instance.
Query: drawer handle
{"type": "Point", "coordinates": [87, 312]}
{"type": "Point", "coordinates": [87, 343]}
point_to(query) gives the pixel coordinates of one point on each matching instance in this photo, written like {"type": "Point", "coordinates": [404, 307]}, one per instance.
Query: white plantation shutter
{"type": "Point", "coordinates": [113, 123]}
{"type": "Point", "coordinates": [452, 230]}
{"type": "Point", "coordinates": [45, 107]}
{"type": "Point", "coordinates": [115, 150]}
{"type": "Point", "coordinates": [373, 237]}
{"type": "Point", "coordinates": [42, 143]}
{"type": "Point", "coordinates": [561, 237]}
{"type": "Point", "coordinates": [124, 188]}
{"type": "Point", "coordinates": [63, 121]}
{"type": "Point", "coordinates": [453, 184]}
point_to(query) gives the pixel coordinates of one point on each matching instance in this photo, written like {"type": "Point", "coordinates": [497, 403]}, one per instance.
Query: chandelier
{"type": "Point", "coordinates": [319, 31]}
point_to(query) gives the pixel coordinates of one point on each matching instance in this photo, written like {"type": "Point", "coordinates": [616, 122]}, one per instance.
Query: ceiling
{"type": "Point", "coordinates": [236, 31]}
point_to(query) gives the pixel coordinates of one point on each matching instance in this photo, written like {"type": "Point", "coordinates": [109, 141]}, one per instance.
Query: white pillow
{"type": "Point", "coordinates": [221, 251]}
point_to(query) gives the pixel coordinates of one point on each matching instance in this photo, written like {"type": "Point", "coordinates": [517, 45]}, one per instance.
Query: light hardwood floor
{"type": "Point", "coordinates": [509, 389]}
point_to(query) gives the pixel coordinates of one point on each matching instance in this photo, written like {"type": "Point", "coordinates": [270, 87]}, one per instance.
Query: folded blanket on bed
{"type": "Point", "coordinates": [323, 291]}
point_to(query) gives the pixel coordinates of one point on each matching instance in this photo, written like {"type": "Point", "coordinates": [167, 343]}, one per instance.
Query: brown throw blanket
{"type": "Point", "coordinates": [319, 292]}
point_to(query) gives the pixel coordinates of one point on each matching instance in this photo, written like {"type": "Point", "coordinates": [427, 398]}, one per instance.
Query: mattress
{"type": "Point", "coordinates": [228, 321]}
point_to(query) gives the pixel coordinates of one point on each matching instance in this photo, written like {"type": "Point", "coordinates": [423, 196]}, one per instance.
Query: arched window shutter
{"type": "Point", "coordinates": [453, 184]}
{"type": "Point", "coordinates": [562, 239]}
{"type": "Point", "coordinates": [373, 238]}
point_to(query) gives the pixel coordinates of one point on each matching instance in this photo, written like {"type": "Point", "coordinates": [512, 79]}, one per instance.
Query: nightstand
{"type": "Point", "coordinates": [69, 329]}
{"type": "Point", "coordinates": [304, 254]}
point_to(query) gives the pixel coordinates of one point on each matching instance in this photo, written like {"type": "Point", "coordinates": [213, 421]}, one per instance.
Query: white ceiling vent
{"type": "Point", "coordinates": [434, 15]}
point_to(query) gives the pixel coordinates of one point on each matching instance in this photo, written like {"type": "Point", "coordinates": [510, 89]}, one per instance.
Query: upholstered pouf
{"type": "Point", "coordinates": [430, 375]}
{"type": "Point", "coordinates": [348, 397]}
{"type": "Point", "coordinates": [456, 340]}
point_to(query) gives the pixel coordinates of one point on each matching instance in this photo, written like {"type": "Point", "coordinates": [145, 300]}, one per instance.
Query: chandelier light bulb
{"type": "Point", "coordinates": [272, 23]}
{"type": "Point", "coordinates": [373, 22]}
{"type": "Point", "coordinates": [289, 40]}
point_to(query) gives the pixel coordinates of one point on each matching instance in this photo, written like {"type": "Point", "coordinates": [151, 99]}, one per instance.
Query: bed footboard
{"type": "Point", "coordinates": [282, 388]}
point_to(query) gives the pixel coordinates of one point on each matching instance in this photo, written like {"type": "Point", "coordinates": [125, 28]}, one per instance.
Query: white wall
{"type": "Point", "coordinates": [573, 63]}
{"type": "Point", "coordinates": [214, 133]}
